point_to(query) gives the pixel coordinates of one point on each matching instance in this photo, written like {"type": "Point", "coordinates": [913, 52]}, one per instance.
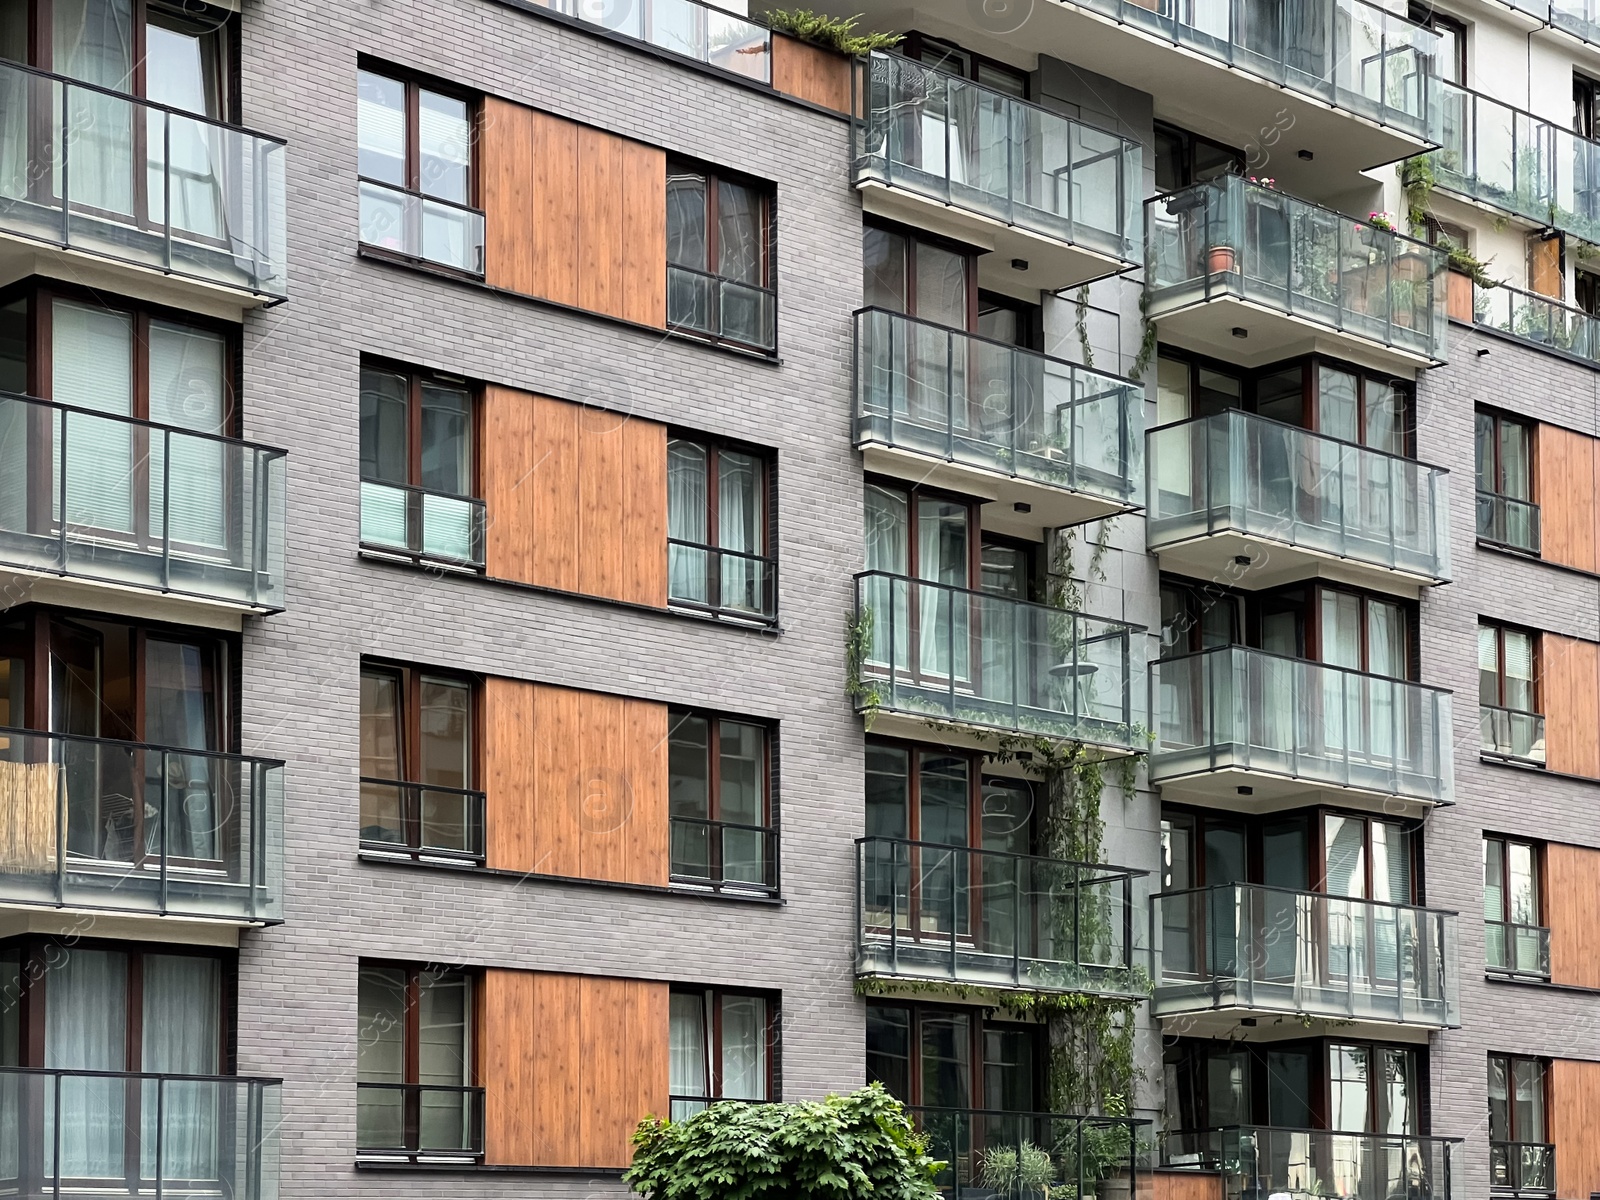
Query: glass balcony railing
{"type": "Point", "coordinates": [1509, 522]}
{"type": "Point", "coordinates": [410, 1122]}
{"type": "Point", "coordinates": [422, 821]}
{"type": "Point", "coordinates": [91, 169]}
{"type": "Point", "coordinates": [422, 524]}
{"type": "Point", "coordinates": [422, 228]}
{"type": "Point", "coordinates": [152, 830]}
{"type": "Point", "coordinates": [1526, 1168]}
{"type": "Point", "coordinates": [1520, 950]}
{"type": "Point", "coordinates": [1305, 954]}
{"type": "Point", "coordinates": [1354, 56]}
{"type": "Point", "coordinates": [1538, 321]}
{"type": "Point", "coordinates": [725, 309]}
{"type": "Point", "coordinates": [1232, 708]}
{"type": "Point", "coordinates": [701, 32]}
{"type": "Point", "coordinates": [977, 658]}
{"type": "Point", "coordinates": [91, 495]}
{"type": "Point", "coordinates": [1235, 472]}
{"type": "Point", "coordinates": [956, 142]}
{"type": "Point", "coordinates": [1308, 1164]}
{"type": "Point", "coordinates": [1580, 18]}
{"type": "Point", "coordinates": [724, 856]}
{"type": "Point", "coordinates": [1511, 733]}
{"type": "Point", "coordinates": [962, 398]}
{"type": "Point", "coordinates": [980, 917]}
{"type": "Point", "coordinates": [991, 1154]}
{"type": "Point", "coordinates": [1230, 238]}
{"type": "Point", "coordinates": [108, 1133]}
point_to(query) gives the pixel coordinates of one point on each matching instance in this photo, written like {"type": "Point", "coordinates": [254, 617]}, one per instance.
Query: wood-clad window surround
{"type": "Point", "coordinates": [719, 531]}
{"type": "Point", "coordinates": [1512, 727]}
{"type": "Point", "coordinates": [1568, 674]}
{"type": "Point", "coordinates": [1573, 1089]}
{"type": "Point", "coordinates": [724, 1047]}
{"type": "Point", "coordinates": [1571, 897]}
{"type": "Point", "coordinates": [418, 185]}
{"type": "Point", "coordinates": [419, 764]}
{"type": "Point", "coordinates": [415, 1099]}
{"type": "Point", "coordinates": [1569, 519]}
{"type": "Point", "coordinates": [1507, 512]}
{"type": "Point", "coordinates": [419, 434]}
{"type": "Point", "coordinates": [720, 283]}
{"type": "Point", "coordinates": [721, 773]}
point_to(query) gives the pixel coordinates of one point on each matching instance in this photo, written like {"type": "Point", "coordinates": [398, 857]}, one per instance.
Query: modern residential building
{"type": "Point", "coordinates": [563, 562]}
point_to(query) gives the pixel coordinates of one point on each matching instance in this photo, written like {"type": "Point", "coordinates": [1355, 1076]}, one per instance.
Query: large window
{"type": "Point", "coordinates": [417, 764]}
{"type": "Point", "coordinates": [414, 1064]}
{"type": "Point", "coordinates": [415, 163]}
{"type": "Point", "coordinates": [1515, 942]}
{"type": "Point", "coordinates": [723, 1047]}
{"type": "Point", "coordinates": [719, 258]}
{"type": "Point", "coordinates": [1520, 1157]}
{"type": "Point", "coordinates": [1507, 514]}
{"type": "Point", "coordinates": [954, 1058]}
{"type": "Point", "coordinates": [1508, 695]}
{"type": "Point", "coordinates": [719, 789]}
{"type": "Point", "coordinates": [719, 529]}
{"type": "Point", "coordinates": [418, 435]}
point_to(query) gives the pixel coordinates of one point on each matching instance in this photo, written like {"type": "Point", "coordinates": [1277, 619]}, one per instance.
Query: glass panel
{"type": "Point", "coordinates": [1528, 1083]}
{"type": "Point", "coordinates": [1346, 856]}
{"type": "Point", "coordinates": [889, 1049]}
{"type": "Point", "coordinates": [446, 760]}
{"type": "Point", "coordinates": [181, 1035]}
{"type": "Point", "coordinates": [884, 269]}
{"type": "Point", "coordinates": [187, 390]}
{"type": "Point", "coordinates": [1349, 1084]}
{"type": "Point", "coordinates": [181, 710]}
{"type": "Point", "coordinates": [1523, 883]}
{"type": "Point", "coordinates": [688, 515]}
{"type": "Point", "coordinates": [744, 1048]}
{"type": "Point", "coordinates": [741, 233]}
{"type": "Point", "coordinates": [1499, 1099]}
{"type": "Point", "coordinates": [689, 794]}
{"type": "Point", "coordinates": [1494, 897]}
{"type": "Point", "coordinates": [444, 140]}
{"type": "Point", "coordinates": [446, 439]}
{"type": "Point", "coordinates": [92, 368]}
{"type": "Point", "coordinates": [689, 1056]}
{"type": "Point", "coordinates": [385, 423]}
{"type": "Point", "coordinates": [381, 128]}
{"type": "Point", "coordinates": [941, 286]}
{"type": "Point", "coordinates": [1519, 669]}
{"type": "Point", "coordinates": [1338, 413]}
{"type": "Point", "coordinates": [86, 1030]}
{"type": "Point", "coordinates": [686, 220]}
{"type": "Point", "coordinates": [444, 1008]}
{"type": "Point", "coordinates": [1488, 664]}
{"type": "Point", "coordinates": [742, 801]}
{"type": "Point", "coordinates": [1483, 442]}
{"type": "Point", "coordinates": [1515, 473]}
{"type": "Point", "coordinates": [382, 742]}
{"type": "Point", "coordinates": [946, 1060]}
{"type": "Point", "coordinates": [1008, 1075]}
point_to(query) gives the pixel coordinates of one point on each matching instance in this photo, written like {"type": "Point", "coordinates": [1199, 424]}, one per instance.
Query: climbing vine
{"type": "Point", "coordinates": [1147, 339]}
{"type": "Point", "coordinates": [866, 693]}
{"type": "Point", "coordinates": [1081, 304]}
{"type": "Point", "coordinates": [1417, 181]}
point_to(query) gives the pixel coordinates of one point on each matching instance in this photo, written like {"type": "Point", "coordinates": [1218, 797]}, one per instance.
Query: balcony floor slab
{"type": "Point", "coordinates": [1271, 793]}
{"type": "Point", "coordinates": [1276, 1024]}
{"type": "Point", "coordinates": [1274, 563]}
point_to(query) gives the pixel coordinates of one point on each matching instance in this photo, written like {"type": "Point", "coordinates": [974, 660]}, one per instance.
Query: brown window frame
{"type": "Point", "coordinates": [1501, 628]}
{"type": "Point", "coordinates": [981, 1022]}
{"type": "Point", "coordinates": [713, 177]}
{"type": "Point", "coordinates": [1509, 1063]}
{"type": "Point", "coordinates": [910, 238]}
{"type": "Point", "coordinates": [917, 44]}
{"type": "Point", "coordinates": [767, 495]}
{"type": "Point", "coordinates": [717, 881]}
{"type": "Point", "coordinates": [712, 1037]}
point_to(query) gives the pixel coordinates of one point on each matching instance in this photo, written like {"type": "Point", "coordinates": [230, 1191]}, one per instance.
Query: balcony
{"type": "Point", "coordinates": [1509, 523]}
{"type": "Point", "coordinates": [90, 823]}
{"type": "Point", "coordinates": [422, 823]}
{"type": "Point", "coordinates": [1522, 1168]}
{"type": "Point", "coordinates": [422, 526]}
{"type": "Point", "coordinates": [932, 652]}
{"type": "Point", "coordinates": [933, 913]}
{"type": "Point", "coordinates": [948, 408]}
{"type": "Point", "coordinates": [419, 228]}
{"type": "Point", "coordinates": [418, 1123]}
{"type": "Point", "coordinates": [1517, 951]}
{"type": "Point", "coordinates": [1243, 950]}
{"type": "Point", "coordinates": [153, 508]}
{"type": "Point", "coordinates": [1257, 1160]}
{"type": "Point", "coordinates": [943, 153]}
{"type": "Point", "coordinates": [1511, 734]}
{"type": "Point", "coordinates": [194, 205]}
{"type": "Point", "coordinates": [1538, 321]}
{"type": "Point", "coordinates": [1233, 255]}
{"type": "Point", "coordinates": [990, 1154]}
{"type": "Point", "coordinates": [1297, 504]}
{"type": "Point", "coordinates": [1577, 18]}
{"type": "Point", "coordinates": [724, 310]}
{"type": "Point", "coordinates": [1258, 732]}
{"type": "Point", "coordinates": [108, 1133]}
{"type": "Point", "coordinates": [697, 31]}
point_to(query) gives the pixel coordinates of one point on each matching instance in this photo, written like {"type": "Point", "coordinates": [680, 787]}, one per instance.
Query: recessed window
{"type": "Point", "coordinates": [722, 1048]}
{"type": "Point", "coordinates": [414, 1093]}
{"type": "Point", "coordinates": [418, 434]}
{"type": "Point", "coordinates": [1515, 942]}
{"type": "Point", "coordinates": [719, 544]}
{"type": "Point", "coordinates": [417, 794]}
{"type": "Point", "coordinates": [1508, 694]}
{"type": "Point", "coordinates": [1507, 514]}
{"type": "Point", "coordinates": [719, 787]}
{"type": "Point", "coordinates": [719, 251]}
{"type": "Point", "coordinates": [1521, 1159]}
{"type": "Point", "coordinates": [416, 167]}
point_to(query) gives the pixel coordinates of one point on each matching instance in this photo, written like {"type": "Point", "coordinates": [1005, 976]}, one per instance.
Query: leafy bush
{"type": "Point", "coordinates": [832, 33]}
{"type": "Point", "coordinates": [1010, 1174]}
{"type": "Point", "coordinates": [855, 1147]}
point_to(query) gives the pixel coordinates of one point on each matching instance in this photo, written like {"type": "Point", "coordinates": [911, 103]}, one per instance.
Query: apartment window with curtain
{"type": "Point", "coordinates": [720, 776]}
{"type": "Point", "coordinates": [416, 146]}
{"type": "Point", "coordinates": [418, 467]}
{"type": "Point", "coordinates": [1510, 718]}
{"type": "Point", "coordinates": [720, 541]}
{"type": "Point", "coordinates": [720, 277]}
{"type": "Point", "coordinates": [418, 764]}
{"type": "Point", "coordinates": [723, 1046]}
{"type": "Point", "coordinates": [954, 1058]}
{"type": "Point", "coordinates": [1521, 1158]}
{"type": "Point", "coordinates": [1506, 513]}
{"type": "Point", "coordinates": [414, 1095]}
{"type": "Point", "coordinates": [1515, 941]}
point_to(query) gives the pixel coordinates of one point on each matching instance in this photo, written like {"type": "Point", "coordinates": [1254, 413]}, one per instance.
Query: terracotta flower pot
{"type": "Point", "coordinates": [1219, 258]}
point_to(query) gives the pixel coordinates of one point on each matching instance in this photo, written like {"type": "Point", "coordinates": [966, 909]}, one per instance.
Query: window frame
{"type": "Point", "coordinates": [771, 839]}
{"type": "Point", "coordinates": [713, 177]}
{"type": "Point", "coordinates": [1536, 690]}
{"type": "Point", "coordinates": [980, 1022]}
{"type": "Point", "coordinates": [711, 1002]}
{"type": "Point", "coordinates": [1510, 945]}
{"type": "Point", "coordinates": [917, 44]}
{"type": "Point", "coordinates": [410, 678]}
{"type": "Point", "coordinates": [1509, 1063]}
{"type": "Point", "coordinates": [911, 237]}
{"type": "Point", "coordinates": [1499, 419]}
{"type": "Point", "coordinates": [766, 492]}
{"type": "Point", "coordinates": [977, 777]}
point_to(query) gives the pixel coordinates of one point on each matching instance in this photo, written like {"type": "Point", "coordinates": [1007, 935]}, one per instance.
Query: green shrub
{"type": "Point", "coordinates": [833, 33]}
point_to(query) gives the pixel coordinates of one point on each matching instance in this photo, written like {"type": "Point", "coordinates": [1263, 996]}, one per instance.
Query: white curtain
{"type": "Point", "coordinates": [186, 391]}
{"type": "Point", "coordinates": [444, 1050]}
{"type": "Point", "coordinates": [178, 708]}
{"type": "Point", "coordinates": [92, 367]}
{"type": "Point", "coordinates": [687, 1046]}
{"type": "Point", "coordinates": [739, 528]}
{"type": "Point", "coordinates": [942, 614]}
{"type": "Point", "coordinates": [93, 42]}
{"type": "Point", "coordinates": [744, 1048]}
{"type": "Point", "coordinates": [86, 1030]}
{"type": "Point", "coordinates": [180, 77]}
{"type": "Point", "coordinates": [180, 1036]}
{"type": "Point", "coordinates": [686, 521]}
{"type": "Point", "coordinates": [888, 538]}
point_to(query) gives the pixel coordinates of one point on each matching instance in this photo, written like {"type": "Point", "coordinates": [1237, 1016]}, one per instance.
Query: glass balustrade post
{"type": "Point", "coordinates": [161, 820]}
{"type": "Point", "coordinates": [58, 750]}
{"type": "Point", "coordinates": [950, 395]}
{"type": "Point", "coordinates": [166, 183]}
{"type": "Point", "coordinates": [161, 1114]}
{"type": "Point", "coordinates": [166, 508]}
{"type": "Point", "coordinates": [1016, 920]}
{"type": "Point", "coordinates": [956, 861]}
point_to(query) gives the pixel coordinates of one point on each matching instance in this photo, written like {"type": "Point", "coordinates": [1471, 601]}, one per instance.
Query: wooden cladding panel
{"type": "Point", "coordinates": [1574, 1118]}
{"type": "Point", "coordinates": [570, 1065]}
{"type": "Point", "coordinates": [574, 214]}
{"type": "Point", "coordinates": [1568, 518]}
{"type": "Point", "coordinates": [577, 784]}
{"type": "Point", "coordinates": [1544, 266]}
{"type": "Point", "coordinates": [1186, 1185]}
{"type": "Point", "coordinates": [811, 73]}
{"type": "Point", "coordinates": [1572, 911]}
{"type": "Point", "coordinates": [1569, 685]}
{"type": "Point", "coordinates": [577, 497]}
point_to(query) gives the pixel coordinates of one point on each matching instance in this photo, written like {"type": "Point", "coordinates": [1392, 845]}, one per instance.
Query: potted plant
{"type": "Point", "coordinates": [1023, 1172]}
{"type": "Point", "coordinates": [1219, 259]}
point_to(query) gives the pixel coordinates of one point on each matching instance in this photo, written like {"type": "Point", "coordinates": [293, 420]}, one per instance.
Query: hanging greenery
{"type": "Point", "coordinates": [1147, 340]}
{"type": "Point", "coordinates": [867, 694]}
{"type": "Point", "coordinates": [831, 33]}
{"type": "Point", "coordinates": [1081, 304]}
{"type": "Point", "coordinates": [1417, 181]}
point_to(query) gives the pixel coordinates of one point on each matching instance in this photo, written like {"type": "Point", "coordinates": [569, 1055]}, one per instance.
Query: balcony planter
{"type": "Point", "coordinates": [1458, 298]}
{"type": "Point", "coordinates": [811, 72]}
{"type": "Point", "coordinates": [1219, 259]}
